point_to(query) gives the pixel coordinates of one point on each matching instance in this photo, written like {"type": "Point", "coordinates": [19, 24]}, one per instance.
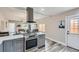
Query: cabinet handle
{"type": "Point", "coordinates": [67, 32]}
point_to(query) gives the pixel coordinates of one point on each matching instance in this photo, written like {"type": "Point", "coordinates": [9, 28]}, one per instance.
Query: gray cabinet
{"type": "Point", "coordinates": [41, 40]}
{"type": "Point", "coordinates": [15, 45]}
{"type": "Point", "coordinates": [1, 47]}
{"type": "Point", "coordinates": [7, 46]}
{"type": "Point", "coordinates": [18, 45]}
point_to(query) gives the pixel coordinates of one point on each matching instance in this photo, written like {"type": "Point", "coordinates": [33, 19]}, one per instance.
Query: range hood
{"type": "Point", "coordinates": [29, 11]}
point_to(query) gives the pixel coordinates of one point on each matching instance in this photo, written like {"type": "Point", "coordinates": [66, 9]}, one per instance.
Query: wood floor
{"type": "Point", "coordinates": [60, 48]}
{"type": "Point", "coordinates": [55, 47]}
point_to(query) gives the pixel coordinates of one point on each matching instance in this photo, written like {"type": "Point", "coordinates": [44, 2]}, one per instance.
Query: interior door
{"type": "Point", "coordinates": [73, 31]}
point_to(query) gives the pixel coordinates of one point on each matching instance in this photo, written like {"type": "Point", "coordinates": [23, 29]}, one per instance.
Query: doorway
{"type": "Point", "coordinates": [72, 31]}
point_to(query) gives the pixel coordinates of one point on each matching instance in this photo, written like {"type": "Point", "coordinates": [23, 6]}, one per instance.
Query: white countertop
{"type": "Point", "coordinates": [11, 37]}
{"type": "Point", "coordinates": [39, 33]}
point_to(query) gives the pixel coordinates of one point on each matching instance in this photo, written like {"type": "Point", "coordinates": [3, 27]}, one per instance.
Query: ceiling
{"type": "Point", "coordinates": [41, 12]}
{"type": "Point", "coordinates": [10, 13]}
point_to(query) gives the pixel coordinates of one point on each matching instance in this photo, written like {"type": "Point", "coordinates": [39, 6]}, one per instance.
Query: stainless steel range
{"type": "Point", "coordinates": [31, 40]}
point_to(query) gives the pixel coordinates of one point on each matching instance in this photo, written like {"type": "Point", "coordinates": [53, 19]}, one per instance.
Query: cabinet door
{"type": "Point", "coordinates": [3, 25]}
{"type": "Point", "coordinates": [7, 46]}
{"type": "Point", "coordinates": [18, 45]}
{"type": "Point", "coordinates": [41, 40]}
{"type": "Point", "coordinates": [1, 47]}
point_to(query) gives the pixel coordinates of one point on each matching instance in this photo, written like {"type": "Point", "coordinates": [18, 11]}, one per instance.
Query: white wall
{"type": "Point", "coordinates": [52, 23]}
{"type": "Point", "coordinates": [52, 30]}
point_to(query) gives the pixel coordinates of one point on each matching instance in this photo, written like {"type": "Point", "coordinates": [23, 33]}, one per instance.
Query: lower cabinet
{"type": "Point", "coordinates": [7, 46]}
{"type": "Point", "coordinates": [1, 47]}
{"type": "Point", "coordinates": [41, 40]}
{"type": "Point", "coordinates": [15, 45]}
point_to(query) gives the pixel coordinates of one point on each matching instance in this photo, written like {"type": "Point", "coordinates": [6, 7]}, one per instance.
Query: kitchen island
{"type": "Point", "coordinates": [12, 43]}
{"type": "Point", "coordinates": [19, 43]}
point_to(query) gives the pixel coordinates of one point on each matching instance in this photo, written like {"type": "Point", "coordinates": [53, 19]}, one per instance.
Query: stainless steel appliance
{"type": "Point", "coordinates": [31, 41]}
{"type": "Point", "coordinates": [11, 28]}
{"type": "Point", "coordinates": [32, 25]}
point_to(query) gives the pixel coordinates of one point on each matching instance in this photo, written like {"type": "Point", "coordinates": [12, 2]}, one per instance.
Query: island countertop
{"type": "Point", "coordinates": [10, 37]}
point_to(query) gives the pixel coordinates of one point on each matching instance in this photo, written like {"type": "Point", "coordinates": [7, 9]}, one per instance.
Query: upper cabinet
{"type": "Point", "coordinates": [3, 25]}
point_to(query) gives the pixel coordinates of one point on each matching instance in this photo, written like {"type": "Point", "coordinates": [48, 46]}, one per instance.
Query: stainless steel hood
{"type": "Point", "coordinates": [30, 15]}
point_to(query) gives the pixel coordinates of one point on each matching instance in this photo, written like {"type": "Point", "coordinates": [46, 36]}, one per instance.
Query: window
{"type": "Point", "coordinates": [74, 26]}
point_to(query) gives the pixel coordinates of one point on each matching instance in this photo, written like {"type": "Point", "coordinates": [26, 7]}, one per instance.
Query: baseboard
{"type": "Point", "coordinates": [56, 41]}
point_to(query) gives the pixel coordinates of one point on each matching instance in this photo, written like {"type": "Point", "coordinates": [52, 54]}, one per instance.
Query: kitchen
{"type": "Point", "coordinates": [39, 29]}
{"type": "Point", "coordinates": [19, 32]}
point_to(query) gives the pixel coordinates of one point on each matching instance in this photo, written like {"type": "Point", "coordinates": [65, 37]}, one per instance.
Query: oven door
{"type": "Point", "coordinates": [31, 43]}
